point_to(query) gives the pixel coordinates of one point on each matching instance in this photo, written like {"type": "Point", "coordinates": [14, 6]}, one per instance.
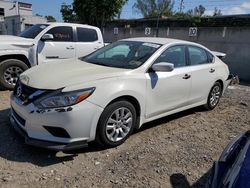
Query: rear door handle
{"type": "Point", "coordinates": [70, 48]}
{"type": "Point", "coordinates": [186, 76]}
{"type": "Point", "coordinates": [212, 70]}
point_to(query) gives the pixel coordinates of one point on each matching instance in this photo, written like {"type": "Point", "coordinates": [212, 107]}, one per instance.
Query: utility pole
{"type": "Point", "coordinates": [181, 6]}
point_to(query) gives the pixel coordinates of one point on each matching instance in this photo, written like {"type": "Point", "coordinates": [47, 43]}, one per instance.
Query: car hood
{"type": "Point", "coordinates": [8, 40]}
{"type": "Point", "coordinates": [63, 73]}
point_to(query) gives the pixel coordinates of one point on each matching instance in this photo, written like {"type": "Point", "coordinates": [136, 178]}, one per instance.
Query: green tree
{"type": "Point", "coordinates": [68, 13]}
{"type": "Point", "coordinates": [153, 8]}
{"type": "Point", "coordinates": [50, 18]}
{"type": "Point", "coordinates": [217, 12]}
{"type": "Point", "coordinates": [197, 11]}
{"type": "Point", "coordinates": [93, 12]}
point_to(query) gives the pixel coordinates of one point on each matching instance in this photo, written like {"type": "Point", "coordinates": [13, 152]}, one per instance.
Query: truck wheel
{"type": "Point", "coordinates": [10, 70]}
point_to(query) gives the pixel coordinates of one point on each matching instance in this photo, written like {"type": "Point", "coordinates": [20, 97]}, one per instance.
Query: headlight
{"type": "Point", "coordinates": [60, 99]}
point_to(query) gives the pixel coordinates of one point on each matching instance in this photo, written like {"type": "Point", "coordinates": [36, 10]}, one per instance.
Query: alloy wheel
{"type": "Point", "coordinates": [215, 96]}
{"type": "Point", "coordinates": [119, 124]}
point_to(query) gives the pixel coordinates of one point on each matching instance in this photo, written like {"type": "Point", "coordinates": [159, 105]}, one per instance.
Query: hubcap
{"type": "Point", "coordinates": [119, 124]}
{"type": "Point", "coordinates": [215, 96]}
{"type": "Point", "coordinates": [11, 75]}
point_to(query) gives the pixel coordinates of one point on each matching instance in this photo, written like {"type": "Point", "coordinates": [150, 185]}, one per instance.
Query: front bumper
{"type": "Point", "coordinates": [46, 144]}
{"type": "Point", "coordinates": [57, 129]}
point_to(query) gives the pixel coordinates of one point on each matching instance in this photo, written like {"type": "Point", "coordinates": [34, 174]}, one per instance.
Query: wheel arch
{"type": "Point", "coordinates": [20, 57]}
{"type": "Point", "coordinates": [221, 83]}
{"type": "Point", "coordinates": [134, 101]}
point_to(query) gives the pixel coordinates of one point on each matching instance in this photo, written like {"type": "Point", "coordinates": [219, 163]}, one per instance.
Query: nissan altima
{"type": "Point", "coordinates": [106, 95]}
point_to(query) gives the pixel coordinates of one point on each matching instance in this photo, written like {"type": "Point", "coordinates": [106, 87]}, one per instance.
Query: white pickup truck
{"type": "Point", "coordinates": [43, 43]}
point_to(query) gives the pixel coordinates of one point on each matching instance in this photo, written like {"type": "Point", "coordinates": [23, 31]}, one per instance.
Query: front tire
{"type": "Point", "coordinates": [10, 70]}
{"type": "Point", "coordinates": [214, 96]}
{"type": "Point", "coordinates": [116, 124]}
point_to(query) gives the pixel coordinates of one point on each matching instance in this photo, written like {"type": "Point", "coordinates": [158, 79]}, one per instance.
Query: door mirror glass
{"type": "Point", "coordinates": [163, 67]}
{"type": "Point", "coordinates": [47, 37]}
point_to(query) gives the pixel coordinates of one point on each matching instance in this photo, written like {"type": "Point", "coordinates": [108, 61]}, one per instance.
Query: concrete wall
{"type": "Point", "coordinates": [12, 8]}
{"type": "Point", "coordinates": [14, 25]}
{"type": "Point", "coordinates": [234, 41]}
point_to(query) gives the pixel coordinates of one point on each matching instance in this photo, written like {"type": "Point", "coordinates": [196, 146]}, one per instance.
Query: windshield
{"type": "Point", "coordinates": [123, 54]}
{"type": "Point", "coordinates": [33, 31]}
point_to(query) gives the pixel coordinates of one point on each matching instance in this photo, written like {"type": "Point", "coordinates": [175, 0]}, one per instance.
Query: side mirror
{"type": "Point", "coordinates": [46, 37]}
{"type": "Point", "coordinates": [163, 67]}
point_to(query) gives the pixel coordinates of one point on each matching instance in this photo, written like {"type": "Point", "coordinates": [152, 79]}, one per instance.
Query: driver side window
{"type": "Point", "coordinates": [174, 55]}
{"type": "Point", "coordinates": [62, 34]}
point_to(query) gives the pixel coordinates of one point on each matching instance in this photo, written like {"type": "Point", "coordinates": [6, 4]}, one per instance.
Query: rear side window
{"type": "Point", "coordinates": [86, 35]}
{"type": "Point", "coordinates": [174, 55]}
{"type": "Point", "coordinates": [210, 57]}
{"type": "Point", "coordinates": [197, 56]}
{"type": "Point", "coordinates": [62, 34]}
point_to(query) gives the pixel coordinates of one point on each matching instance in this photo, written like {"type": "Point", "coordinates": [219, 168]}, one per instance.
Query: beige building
{"type": "Point", "coordinates": [16, 16]}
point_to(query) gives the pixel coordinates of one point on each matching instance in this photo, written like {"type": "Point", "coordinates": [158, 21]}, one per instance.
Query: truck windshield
{"type": "Point", "coordinates": [33, 31]}
{"type": "Point", "coordinates": [123, 54]}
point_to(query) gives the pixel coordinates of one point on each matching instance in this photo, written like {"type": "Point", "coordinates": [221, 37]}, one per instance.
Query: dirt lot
{"type": "Point", "coordinates": [176, 151]}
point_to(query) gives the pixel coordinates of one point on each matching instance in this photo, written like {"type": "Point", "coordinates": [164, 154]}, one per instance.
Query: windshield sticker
{"type": "Point", "coordinates": [151, 45]}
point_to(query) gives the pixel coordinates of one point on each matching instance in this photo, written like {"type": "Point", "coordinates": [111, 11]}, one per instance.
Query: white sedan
{"type": "Point", "coordinates": [106, 95]}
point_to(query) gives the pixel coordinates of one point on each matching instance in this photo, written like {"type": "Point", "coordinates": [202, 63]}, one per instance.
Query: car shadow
{"type": "Point", "coordinates": [13, 148]}
{"type": "Point", "coordinates": [180, 181]}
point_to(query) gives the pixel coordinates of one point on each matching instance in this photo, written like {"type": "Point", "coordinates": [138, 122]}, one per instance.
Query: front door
{"type": "Point", "coordinates": [61, 47]}
{"type": "Point", "coordinates": [167, 91]}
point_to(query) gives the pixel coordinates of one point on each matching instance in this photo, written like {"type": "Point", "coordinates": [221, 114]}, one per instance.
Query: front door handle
{"type": "Point", "coordinates": [186, 76]}
{"type": "Point", "coordinates": [212, 70]}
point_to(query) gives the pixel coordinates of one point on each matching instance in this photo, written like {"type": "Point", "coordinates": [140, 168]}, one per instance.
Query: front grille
{"type": "Point", "coordinates": [18, 118]}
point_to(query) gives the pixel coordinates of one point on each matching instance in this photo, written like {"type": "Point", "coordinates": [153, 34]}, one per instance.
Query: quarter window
{"type": "Point", "coordinates": [210, 57]}
{"type": "Point", "coordinates": [197, 56]}
{"type": "Point", "coordinates": [86, 35]}
{"type": "Point", "coordinates": [62, 34]}
{"type": "Point", "coordinates": [174, 55]}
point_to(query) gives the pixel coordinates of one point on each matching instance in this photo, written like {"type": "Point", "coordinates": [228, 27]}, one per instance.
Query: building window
{"type": "Point", "coordinates": [1, 11]}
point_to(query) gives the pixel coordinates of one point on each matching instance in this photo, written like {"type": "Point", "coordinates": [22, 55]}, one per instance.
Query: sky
{"type": "Point", "coordinates": [52, 7]}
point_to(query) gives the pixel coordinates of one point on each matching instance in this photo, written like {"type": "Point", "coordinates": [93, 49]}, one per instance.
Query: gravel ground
{"type": "Point", "coordinates": [176, 151]}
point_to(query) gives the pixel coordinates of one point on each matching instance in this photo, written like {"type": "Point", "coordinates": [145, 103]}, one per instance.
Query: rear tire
{"type": "Point", "coordinates": [10, 70]}
{"type": "Point", "coordinates": [116, 124]}
{"type": "Point", "coordinates": [214, 96]}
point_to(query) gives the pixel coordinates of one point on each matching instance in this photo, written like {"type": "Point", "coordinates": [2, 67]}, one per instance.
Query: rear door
{"type": "Point", "coordinates": [203, 71]}
{"type": "Point", "coordinates": [61, 47]}
{"type": "Point", "coordinates": [88, 41]}
{"type": "Point", "coordinates": [167, 91]}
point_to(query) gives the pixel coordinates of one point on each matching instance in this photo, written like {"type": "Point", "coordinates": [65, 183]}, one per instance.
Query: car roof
{"type": "Point", "coordinates": [158, 40]}
{"type": "Point", "coordinates": [70, 24]}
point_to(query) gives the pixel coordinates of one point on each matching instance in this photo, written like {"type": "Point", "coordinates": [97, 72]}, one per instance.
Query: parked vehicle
{"type": "Point", "coordinates": [43, 43]}
{"type": "Point", "coordinates": [104, 96]}
{"type": "Point", "coordinates": [233, 168]}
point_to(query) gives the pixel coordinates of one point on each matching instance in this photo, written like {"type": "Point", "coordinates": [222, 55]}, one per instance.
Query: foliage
{"type": "Point", "coordinates": [68, 13]}
{"type": "Point", "coordinates": [197, 11]}
{"type": "Point", "coordinates": [93, 12]}
{"type": "Point", "coordinates": [217, 12]}
{"type": "Point", "coordinates": [154, 8]}
{"type": "Point", "coordinates": [50, 18]}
